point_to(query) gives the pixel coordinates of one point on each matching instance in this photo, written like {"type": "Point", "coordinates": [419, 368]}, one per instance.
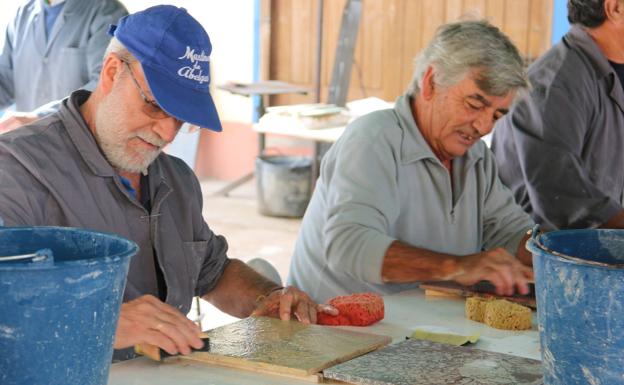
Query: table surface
{"type": "Point", "coordinates": [328, 135]}
{"type": "Point", "coordinates": [405, 312]}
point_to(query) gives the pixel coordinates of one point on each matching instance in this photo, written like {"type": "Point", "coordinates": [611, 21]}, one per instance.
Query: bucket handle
{"type": "Point", "coordinates": [33, 256]}
{"type": "Point", "coordinates": [38, 256]}
{"type": "Point", "coordinates": [534, 241]}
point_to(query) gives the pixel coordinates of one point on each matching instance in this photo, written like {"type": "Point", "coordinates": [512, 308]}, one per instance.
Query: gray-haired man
{"type": "Point", "coordinates": [412, 194]}
{"type": "Point", "coordinates": [98, 164]}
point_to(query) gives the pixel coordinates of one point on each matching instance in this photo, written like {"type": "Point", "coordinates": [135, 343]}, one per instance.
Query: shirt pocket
{"type": "Point", "coordinates": [195, 255]}
{"type": "Point", "coordinates": [73, 62]}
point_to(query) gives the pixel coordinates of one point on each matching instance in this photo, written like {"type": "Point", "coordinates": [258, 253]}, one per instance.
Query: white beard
{"type": "Point", "coordinates": [111, 133]}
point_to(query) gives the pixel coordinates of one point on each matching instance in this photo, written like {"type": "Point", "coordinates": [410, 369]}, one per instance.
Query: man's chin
{"type": "Point", "coordinates": [135, 166]}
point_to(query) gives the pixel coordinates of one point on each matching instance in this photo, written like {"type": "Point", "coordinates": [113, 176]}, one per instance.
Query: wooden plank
{"type": "Point", "coordinates": [432, 17]}
{"type": "Point", "coordinates": [540, 28]}
{"type": "Point", "coordinates": [280, 46]}
{"type": "Point", "coordinates": [285, 347]}
{"type": "Point", "coordinates": [495, 12]}
{"type": "Point", "coordinates": [228, 362]}
{"type": "Point", "coordinates": [369, 52]}
{"type": "Point", "coordinates": [475, 8]}
{"type": "Point", "coordinates": [393, 37]}
{"type": "Point", "coordinates": [516, 23]}
{"type": "Point", "coordinates": [412, 43]}
{"type": "Point", "coordinates": [265, 39]}
{"type": "Point", "coordinates": [454, 10]}
{"type": "Point", "coordinates": [301, 44]}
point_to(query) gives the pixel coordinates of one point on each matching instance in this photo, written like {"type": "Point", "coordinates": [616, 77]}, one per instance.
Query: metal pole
{"type": "Point", "coordinates": [319, 49]}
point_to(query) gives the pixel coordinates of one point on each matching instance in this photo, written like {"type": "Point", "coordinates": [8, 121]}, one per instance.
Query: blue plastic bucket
{"type": "Point", "coordinates": [579, 282]}
{"type": "Point", "coordinates": [58, 318]}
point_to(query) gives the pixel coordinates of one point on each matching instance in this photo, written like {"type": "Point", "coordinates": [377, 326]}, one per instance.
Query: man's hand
{"type": "Point", "coordinates": [290, 300]}
{"type": "Point", "coordinates": [497, 266]}
{"type": "Point", "coordinates": [12, 120]}
{"type": "Point", "coordinates": [149, 320]}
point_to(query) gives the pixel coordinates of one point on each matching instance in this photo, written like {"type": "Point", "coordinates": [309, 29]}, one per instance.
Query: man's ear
{"type": "Point", "coordinates": [111, 68]}
{"type": "Point", "coordinates": [614, 10]}
{"type": "Point", "coordinates": [427, 88]}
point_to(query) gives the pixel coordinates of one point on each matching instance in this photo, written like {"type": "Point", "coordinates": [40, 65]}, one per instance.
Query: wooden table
{"type": "Point", "coordinates": [404, 312]}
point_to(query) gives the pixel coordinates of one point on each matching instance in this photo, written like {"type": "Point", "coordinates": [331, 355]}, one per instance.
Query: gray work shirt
{"type": "Point", "coordinates": [35, 69]}
{"type": "Point", "coordinates": [53, 173]}
{"type": "Point", "coordinates": [560, 149]}
{"type": "Point", "coordinates": [381, 182]}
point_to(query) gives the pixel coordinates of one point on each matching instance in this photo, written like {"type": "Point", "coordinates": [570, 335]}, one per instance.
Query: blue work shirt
{"type": "Point", "coordinates": [37, 68]}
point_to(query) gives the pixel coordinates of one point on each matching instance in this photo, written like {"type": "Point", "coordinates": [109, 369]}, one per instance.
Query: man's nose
{"type": "Point", "coordinates": [483, 124]}
{"type": "Point", "coordinates": [167, 128]}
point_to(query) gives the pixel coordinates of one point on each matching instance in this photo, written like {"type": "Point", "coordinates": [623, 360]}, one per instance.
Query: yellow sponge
{"type": "Point", "coordinates": [475, 308]}
{"type": "Point", "coordinates": [500, 313]}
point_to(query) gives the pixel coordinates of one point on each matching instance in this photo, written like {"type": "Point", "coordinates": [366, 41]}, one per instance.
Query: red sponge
{"type": "Point", "coordinates": [361, 309]}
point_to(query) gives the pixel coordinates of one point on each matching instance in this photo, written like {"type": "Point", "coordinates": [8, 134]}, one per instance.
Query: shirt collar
{"type": "Point", "coordinates": [578, 38]}
{"type": "Point", "coordinates": [414, 147]}
{"type": "Point", "coordinates": [69, 6]}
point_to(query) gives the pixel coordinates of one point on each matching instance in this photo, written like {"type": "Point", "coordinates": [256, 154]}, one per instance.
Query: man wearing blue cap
{"type": "Point", "coordinates": [97, 164]}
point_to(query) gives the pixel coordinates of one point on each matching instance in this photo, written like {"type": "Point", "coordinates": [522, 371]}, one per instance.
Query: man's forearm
{"type": "Point", "coordinates": [404, 263]}
{"type": "Point", "coordinates": [238, 289]}
{"type": "Point", "coordinates": [615, 222]}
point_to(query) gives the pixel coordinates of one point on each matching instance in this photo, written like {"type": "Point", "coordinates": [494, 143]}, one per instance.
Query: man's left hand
{"type": "Point", "coordinates": [13, 120]}
{"type": "Point", "coordinates": [290, 300]}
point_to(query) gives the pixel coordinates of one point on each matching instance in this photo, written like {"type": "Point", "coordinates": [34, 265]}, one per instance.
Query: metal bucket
{"type": "Point", "coordinates": [283, 185]}
{"type": "Point", "coordinates": [58, 315]}
{"type": "Point", "coordinates": [579, 282]}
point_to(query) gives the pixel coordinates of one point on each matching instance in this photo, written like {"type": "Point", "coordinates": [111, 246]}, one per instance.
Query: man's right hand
{"type": "Point", "coordinates": [504, 270]}
{"type": "Point", "coordinates": [147, 320]}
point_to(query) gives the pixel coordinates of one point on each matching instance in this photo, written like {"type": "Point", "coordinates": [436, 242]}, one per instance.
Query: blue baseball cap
{"type": "Point", "coordinates": [174, 52]}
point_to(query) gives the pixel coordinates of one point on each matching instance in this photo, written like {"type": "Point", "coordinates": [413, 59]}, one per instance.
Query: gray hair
{"type": "Point", "coordinates": [461, 47]}
{"type": "Point", "coordinates": [116, 47]}
{"type": "Point", "coordinates": [588, 13]}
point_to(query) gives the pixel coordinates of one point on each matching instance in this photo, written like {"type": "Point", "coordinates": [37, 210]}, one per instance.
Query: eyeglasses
{"type": "Point", "coordinates": [151, 107]}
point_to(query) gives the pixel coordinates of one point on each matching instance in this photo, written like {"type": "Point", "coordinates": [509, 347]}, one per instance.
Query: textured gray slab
{"type": "Point", "coordinates": [416, 362]}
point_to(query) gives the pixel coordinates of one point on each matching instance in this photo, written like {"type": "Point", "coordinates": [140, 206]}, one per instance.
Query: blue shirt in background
{"type": "Point", "coordinates": [51, 13]}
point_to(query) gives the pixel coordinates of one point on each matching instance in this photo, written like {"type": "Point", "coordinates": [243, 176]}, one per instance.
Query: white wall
{"type": "Point", "coordinates": [7, 11]}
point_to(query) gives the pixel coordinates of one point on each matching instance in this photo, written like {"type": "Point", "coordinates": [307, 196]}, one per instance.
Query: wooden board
{"type": "Point", "coordinates": [416, 362]}
{"type": "Point", "coordinates": [284, 347]}
{"type": "Point", "coordinates": [479, 290]}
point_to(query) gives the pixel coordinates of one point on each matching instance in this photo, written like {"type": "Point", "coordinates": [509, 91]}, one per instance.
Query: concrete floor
{"type": "Point", "coordinates": [249, 234]}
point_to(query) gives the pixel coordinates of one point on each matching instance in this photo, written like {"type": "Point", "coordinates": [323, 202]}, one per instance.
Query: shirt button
{"type": "Point", "coordinates": [45, 60]}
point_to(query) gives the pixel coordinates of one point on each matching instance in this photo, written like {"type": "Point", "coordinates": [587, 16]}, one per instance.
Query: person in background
{"type": "Point", "coordinates": [51, 48]}
{"type": "Point", "coordinates": [98, 164]}
{"type": "Point", "coordinates": [412, 194]}
{"type": "Point", "coordinates": [560, 148]}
